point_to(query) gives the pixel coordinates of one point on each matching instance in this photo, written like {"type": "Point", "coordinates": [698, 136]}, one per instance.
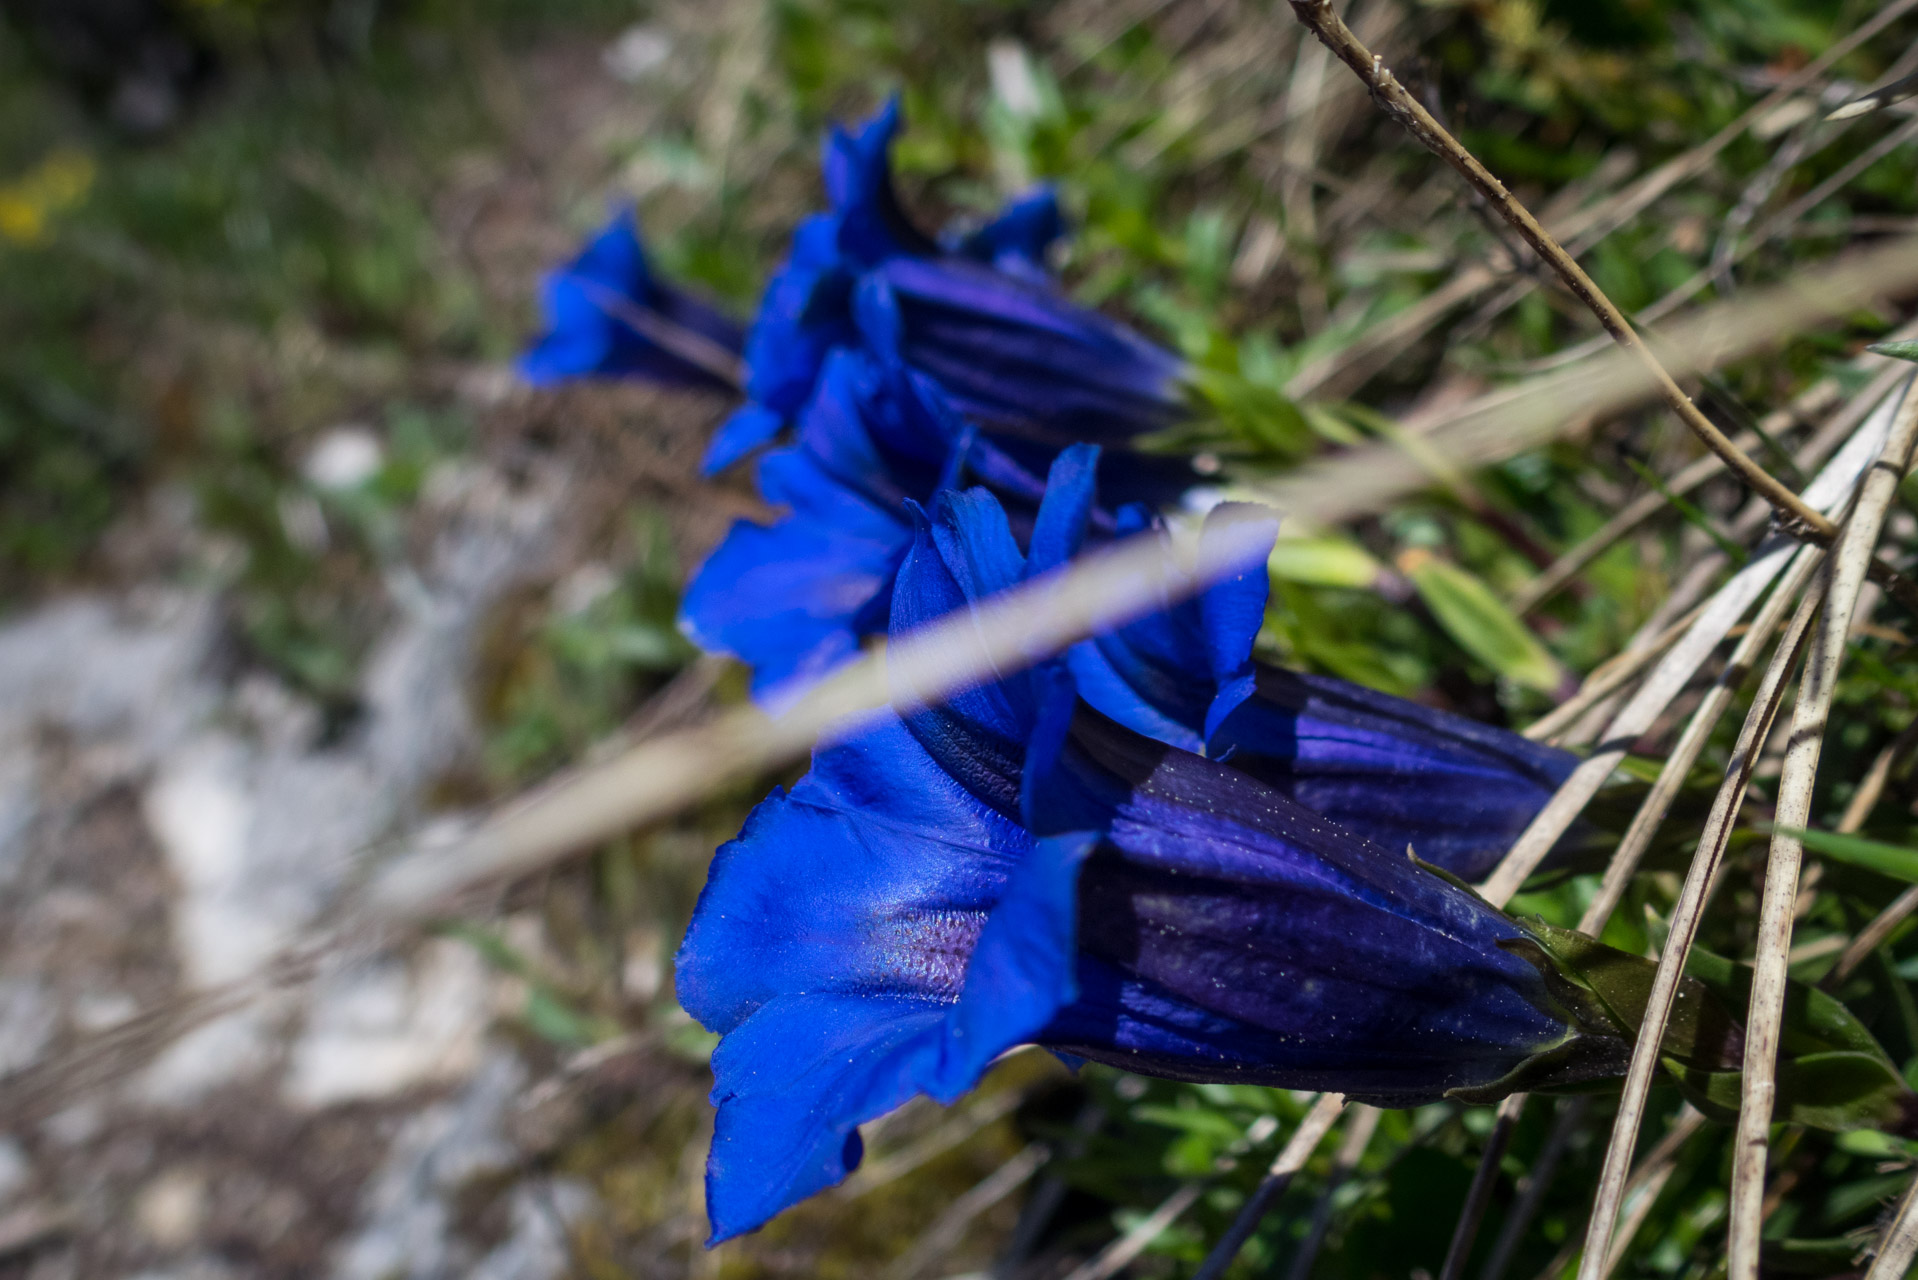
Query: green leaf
{"type": "Point", "coordinates": [1691, 513]}
{"type": "Point", "coordinates": [1323, 562]}
{"type": "Point", "coordinates": [1479, 621]}
{"type": "Point", "coordinates": [1815, 1022]}
{"type": "Point", "coordinates": [1700, 1031]}
{"type": "Point", "coordinates": [1906, 350]}
{"type": "Point", "coordinates": [1892, 860]}
{"type": "Point", "coordinates": [1830, 1091]}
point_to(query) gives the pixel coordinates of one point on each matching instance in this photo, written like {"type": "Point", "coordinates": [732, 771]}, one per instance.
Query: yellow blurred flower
{"type": "Point", "coordinates": [58, 182]}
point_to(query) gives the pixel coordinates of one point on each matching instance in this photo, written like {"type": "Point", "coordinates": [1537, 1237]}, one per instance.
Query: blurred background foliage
{"type": "Point", "coordinates": [265, 223]}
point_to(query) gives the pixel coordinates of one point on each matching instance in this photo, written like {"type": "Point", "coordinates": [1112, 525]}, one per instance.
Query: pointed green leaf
{"type": "Point", "coordinates": [1479, 621]}
{"type": "Point", "coordinates": [1324, 562]}
{"type": "Point", "coordinates": [1892, 860]}
{"type": "Point", "coordinates": [1906, 350]}
{"type": "Point", "coordinates": [1700, 1030]}
{"type": "Point", "coordinates": [1830, 1091]}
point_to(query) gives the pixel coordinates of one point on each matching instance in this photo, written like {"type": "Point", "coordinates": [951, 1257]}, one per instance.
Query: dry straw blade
{"type": "Point", "coordinates": [667, 774]}
{"type": "Point", "coordinates": [1849, 562]}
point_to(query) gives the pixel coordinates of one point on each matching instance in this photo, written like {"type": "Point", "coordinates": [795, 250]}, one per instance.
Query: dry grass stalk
{"type": "Point", "coordinates": [1830, 489]}
{"type": "Point", "coordinates": [1479, 1197]}
{"type": "Point", "coordinates": [1319, 18]}
{"type": "Point", "coordinates": [1686, 914]}
{"type": "Point", "coordinates": [1873, 935]}
{"type": "Point", "coordinates": [949, 1229]}
{"type": "Point", "coordinates": [1655, 1167]}
{"type": "Point", "coordinates": [1631, 850]}
{"type": "Point", "coordinates": [1850, 561]}
{"type": "Point", "coordinates": [1607, 679]}
{"type": "Point", "coordinates": [1898, 1246]}
{"type": "Point", "coordinates": [1533, 1185]}
{"type": "Point", "coordinates": [1657, 1171]}
{"type": "Point", "coordinates": [1692, 741]}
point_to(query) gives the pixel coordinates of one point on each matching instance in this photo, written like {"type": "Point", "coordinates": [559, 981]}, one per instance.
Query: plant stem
{"type": "Point", "coordinates": [1318, 17]}
{"type": "Point", "coordinates": [1849, 562]}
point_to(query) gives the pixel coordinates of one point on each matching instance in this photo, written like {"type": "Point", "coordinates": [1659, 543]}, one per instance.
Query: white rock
{"type": "Point", "coordinates": [28, 1016]}
{"type": "Point", "coordinates": [380, 1029]}
{"type": "Point", "coordinates": [16, 1171]}
{"type": "Point", "coordinates": [230, 1047]}
{"type": "Point", "coordinates": [345, 458]}
{"type": "Point", "coordinates": [637, 52]}
{"type": "Point", "coordinates": [170, 1209]}
{"type": "Point", "coordinates": [537, 1248]}
{"type": "Point", "coordinates": [405, 1231]}
{"type": "Point", "coordinates": [98, 1010]}
{"type": "Point", "coordinates": [1014, 81]}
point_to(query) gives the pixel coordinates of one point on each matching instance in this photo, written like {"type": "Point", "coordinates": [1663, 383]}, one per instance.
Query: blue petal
{"type": "Point", "coordinates": [587, 335]}
{"type": "Point", "coordinates": [1395, 772]}
{"type": "Point", "coordinates": [793, 1084]}
{"type": "Point", "coordinates": [746, 429]}
{"type": "Point", "coordinates": [793, 599]}
{"type": "Point", "coordinates": [1017, 356]}
{"type": "Point", "coordinates": [806, 311]}
{"type": "Point", "coordinates": [964, 551]}
{"type": "Point", "coordinates": [1016, 240]}
{"type": "Point", "coordinates": [1232, 609]}
{"type": "Point", "coordinates": [1066, 510]}
{"type": "Point", "coordinates": [873, 877]}
{"type": "Point", "coordinates": [1237, 935]}
{"type": "Point", "coordinates": [1175, 673]}
{"type": "Point", "coordinates": [875, 934]}
{"type": "Point", "coordinates": [858, 174]}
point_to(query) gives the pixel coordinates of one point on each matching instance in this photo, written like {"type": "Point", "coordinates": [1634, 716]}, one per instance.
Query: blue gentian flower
{"type": "Point", "coordinates": [795, 598]}
{"type": "Point", "coordinates": [607, 315]}
{"type": "Point", "coordinates": [978, 312]}
{"type": "Point", "coordinates": [1397, 773]}
{"type": "Point", "coordinates": [1013, 867]}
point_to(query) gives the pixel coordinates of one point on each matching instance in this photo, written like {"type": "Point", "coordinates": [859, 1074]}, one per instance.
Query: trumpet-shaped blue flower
{"type": "Point", "coordinates": [1012, 867]}
{"type": "Point", "coordinates": [794, 598]}
{"type": "Point", "coordinates": [1397, 773]}
{"type": "Point", "coordinates": [607, 315]}
{"type": "Point", "coordinates": [979, 313]}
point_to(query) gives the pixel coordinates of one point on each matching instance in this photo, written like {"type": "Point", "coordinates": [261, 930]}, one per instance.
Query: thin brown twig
{"type": "Point", "coordinates": [1582, 229]}
{"type": "Point", "coordinates": [1533, 1186]}
{"type": "Point", "coordinates": [1298, 1149]}
{"type": "Point", "coordinates": [1478, 1197]}
{"type": "Point", "coordinates": [1816, 400]}
{"type": "Point", "coordinates": [1758, 1091]}
{"type": "Point", "coordinates": [1358, 1135]}
{"type": "Point", "coordinates": [1319, 17]}
{"type": "Point", "coordinates": [1599, 221]}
